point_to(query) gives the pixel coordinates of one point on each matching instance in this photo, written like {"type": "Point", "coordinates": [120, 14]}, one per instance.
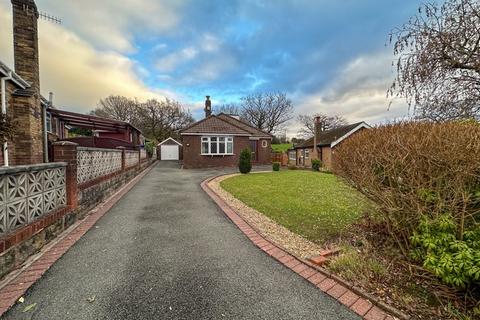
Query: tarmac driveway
{"type": "Point", "coordinates": [165, 251]}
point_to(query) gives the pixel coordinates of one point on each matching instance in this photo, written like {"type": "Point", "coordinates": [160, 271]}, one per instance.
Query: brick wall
{"type": "Point", "coordinates": [264, 151]}
{"type": "Point", "coordinates": [192, 157]}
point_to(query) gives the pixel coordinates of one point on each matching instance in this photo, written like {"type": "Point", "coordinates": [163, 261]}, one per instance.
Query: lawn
{"type": "Point", "coordinates": [282, 147]}
{"type": "Point", "coordinates": [317, 206]}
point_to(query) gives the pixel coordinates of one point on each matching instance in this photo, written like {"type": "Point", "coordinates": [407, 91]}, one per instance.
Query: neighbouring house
{"type": "Point", "coordinates": [169, 149]}
{"type": "Point", "coordinates": [105, 133]}
{"type": "Point", "coordinates": [325, 143]}
{"type": "Point", "coordinates": [217, 140]}
{"type": "Point", "coordinates": [38, 123]}
{"type": "Point", "coordinates": [20, 89]}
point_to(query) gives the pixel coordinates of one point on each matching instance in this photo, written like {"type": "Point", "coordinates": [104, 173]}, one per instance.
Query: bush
{"type": "Point", "coordinates": [276, 166]}
{"type": "Point", "coordinates": [316, 164]}
{"type": "Point", "coordinates": [456, 262]}
{"type": "Point", "coordinates": [149, 146]}
{"type": "Point", "coordinates": [245, 162]}
{"type": "Point", "coordinates": [419, 173]}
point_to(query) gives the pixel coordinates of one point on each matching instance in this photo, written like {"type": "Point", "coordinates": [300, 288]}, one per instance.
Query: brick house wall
{"type": "Point", "coordinates": [326, 157]}
{"type": "Point", "coordinates": [264, 151]}
{"type": "Point", "coordinates": [192, 157]}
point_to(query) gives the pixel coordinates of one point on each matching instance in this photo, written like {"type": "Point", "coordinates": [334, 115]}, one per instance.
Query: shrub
{"type": "Point", "coordinates": [276, 166]}
{"type": "Point", "coordinates": [456, 262]}
{"type": "Point", "coordinates": [316, 164]}
{"type": "Point", "coordinates": [418, 173]}
{"type": "Point", "coordinates": [245, 162]}
{"type": "Point", "coordinates": [149, 146]}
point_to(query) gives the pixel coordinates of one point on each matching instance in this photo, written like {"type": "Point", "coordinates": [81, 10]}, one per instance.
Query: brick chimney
{"type": "Point", "coordinates": [25, 42]}
{"type": "Point", "coordinates": [208, 107]}
{"type": "Point", "coordinates": [317, 128]}
{"type": "Point", "coordinates": [26, 105]}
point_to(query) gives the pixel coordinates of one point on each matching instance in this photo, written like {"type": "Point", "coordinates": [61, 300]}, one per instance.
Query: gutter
{"type": "Point", "coordinates": [4, 112]}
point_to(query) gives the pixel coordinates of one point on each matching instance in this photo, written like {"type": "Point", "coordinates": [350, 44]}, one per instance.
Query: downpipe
{"type": "Point", "coordinates": [4, 112]}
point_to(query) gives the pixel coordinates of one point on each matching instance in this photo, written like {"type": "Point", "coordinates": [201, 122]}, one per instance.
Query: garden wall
{"type": "Point", "coordinates": [38, 202]}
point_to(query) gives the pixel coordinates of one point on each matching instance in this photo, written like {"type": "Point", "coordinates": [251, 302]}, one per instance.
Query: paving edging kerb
{"type": "Point", "coordinates": [16, 283]}
{"type": "Point", "coordinates": [361, 293]}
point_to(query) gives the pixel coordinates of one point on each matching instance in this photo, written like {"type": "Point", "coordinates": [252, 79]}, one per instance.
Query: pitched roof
{"type": "Point", "coordinates": [214, 124]}
{"type": "Point", "coordinates": [328, 137]}
{"type": "Point", "coordinates": [245, 126]}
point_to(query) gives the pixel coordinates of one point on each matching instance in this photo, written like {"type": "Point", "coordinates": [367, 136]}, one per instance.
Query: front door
{"type": "Point", "coordinates": [253, 148]}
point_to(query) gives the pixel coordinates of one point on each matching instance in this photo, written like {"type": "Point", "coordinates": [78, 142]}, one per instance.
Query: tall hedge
{"type": "Point", "coordinates": [425, 178]}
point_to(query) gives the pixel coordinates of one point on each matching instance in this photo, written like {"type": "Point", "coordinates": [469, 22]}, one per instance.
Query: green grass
{"type": "Point", "coordinates": [315, 205]}
{"type": "Point", "coordinates": [283, 147]}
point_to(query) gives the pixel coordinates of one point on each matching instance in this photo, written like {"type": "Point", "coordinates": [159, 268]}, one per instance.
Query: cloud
{"type": "Point", "coordinates": [357, 93]}
{"type": "Point", "coordinates": [77, 73]}
{"type": "Point", "coordinates": [113, 24]}
{"type": "Point", "coordinates": [171, 61]}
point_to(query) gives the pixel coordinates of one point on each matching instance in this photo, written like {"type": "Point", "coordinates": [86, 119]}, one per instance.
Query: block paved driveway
{"type": "Point", "coordinates": [165, 251]}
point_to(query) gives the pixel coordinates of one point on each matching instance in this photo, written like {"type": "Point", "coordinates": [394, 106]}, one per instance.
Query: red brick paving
{"type": "Point", "coordinates": [336, 290]}
{"type": "Point", "coordinates": [17, 286]}
{"type": "Point", "coordinates": [362, 306]}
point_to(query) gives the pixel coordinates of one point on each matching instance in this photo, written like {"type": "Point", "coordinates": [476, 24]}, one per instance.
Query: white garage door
{"type": "Point", "coordinates": [169, 152]}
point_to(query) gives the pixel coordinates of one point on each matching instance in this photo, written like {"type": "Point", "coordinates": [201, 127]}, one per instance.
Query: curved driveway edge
{"type": "Point", "coordinates": [18, 282]}
{"type": "Point", "coordinates": [326, 283]}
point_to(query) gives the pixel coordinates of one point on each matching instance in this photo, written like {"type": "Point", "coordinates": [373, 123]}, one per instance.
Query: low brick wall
{"type": "Point", "coordinates": [24, 240]}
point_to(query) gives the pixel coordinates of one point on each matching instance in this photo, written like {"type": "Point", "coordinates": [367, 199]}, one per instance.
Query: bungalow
{"type": "Point", "coordinates": [325, 141]}
{"type": "Point", "coordinates": [217, 140]}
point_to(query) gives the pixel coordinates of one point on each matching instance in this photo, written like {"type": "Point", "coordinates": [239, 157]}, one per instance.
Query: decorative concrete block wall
{"type": "Point", "coordinates": [30, 192]}
{"type": "Point", "coordinates": [93, 163]}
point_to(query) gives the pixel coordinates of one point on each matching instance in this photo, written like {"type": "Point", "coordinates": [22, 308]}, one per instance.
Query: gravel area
{"type": "Point", "coordinates": [278, 234]}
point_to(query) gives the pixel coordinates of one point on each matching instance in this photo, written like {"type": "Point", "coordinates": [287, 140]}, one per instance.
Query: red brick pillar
{"type": "Point", "coordinates": [66, 151]}
{"type": "Point", "coordinates": [123, 157]}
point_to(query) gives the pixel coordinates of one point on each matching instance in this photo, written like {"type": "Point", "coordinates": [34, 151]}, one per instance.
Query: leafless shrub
{"type": "Point", "coordinates": [416, 169]}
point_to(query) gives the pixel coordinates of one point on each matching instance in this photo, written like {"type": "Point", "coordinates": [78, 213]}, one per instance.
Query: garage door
{"type": "Point", "coordinates": [169, 152]}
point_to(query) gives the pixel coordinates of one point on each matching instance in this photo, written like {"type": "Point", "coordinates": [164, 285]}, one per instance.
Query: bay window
{"type": "Point", "coordinates": [213, 145]}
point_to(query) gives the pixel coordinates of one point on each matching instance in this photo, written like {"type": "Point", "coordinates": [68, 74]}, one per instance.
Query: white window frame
{"type": "Point", "coordinates": [292, 155]}
{"type": "Point", "coordinates": [264, 143]}
{"type": "Point", "coordinates": [208, 139]}
{"type": "Point", "coordinates": [307, 153]}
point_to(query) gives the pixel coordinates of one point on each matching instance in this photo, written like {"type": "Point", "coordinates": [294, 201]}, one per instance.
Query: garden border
{"type": "Point", "coordinates": [354, 298]}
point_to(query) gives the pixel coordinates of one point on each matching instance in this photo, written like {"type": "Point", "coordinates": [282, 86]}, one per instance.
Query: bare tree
{"type": "Point", "coordinates": [118, 108]}
{"type": "Point", "coordinates": [267, 111]}
{"type": "Point", "coordinates": [326, 123]}
{"type": "Point", "coordinates": [163, 119]}
{"type": "Point", "coordinates": [228, 108]}
{"type": "Point", "coordinates": [438, 62]}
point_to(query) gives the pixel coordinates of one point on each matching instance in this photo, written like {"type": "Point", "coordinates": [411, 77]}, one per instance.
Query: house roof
{"type": "Point", "coordinates": [5, 71]}
{"type": "Point", "coordinates": [169, 139]}
{"type": "Point", "coordinates": [333, 136]}
{"type": "Point", "coordinates": [215, 125]}
{"type": "Point", "coordinates": [244, 126]}
{"type": "Point", "coordinates": [90, 122]}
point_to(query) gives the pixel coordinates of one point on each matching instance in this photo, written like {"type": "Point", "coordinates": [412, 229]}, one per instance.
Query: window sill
{"type": "Point", "coordinates": [217, 154]}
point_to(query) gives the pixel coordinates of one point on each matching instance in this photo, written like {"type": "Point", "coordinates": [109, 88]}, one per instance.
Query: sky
{"type": "Point", "coordinates": [328, 56]}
